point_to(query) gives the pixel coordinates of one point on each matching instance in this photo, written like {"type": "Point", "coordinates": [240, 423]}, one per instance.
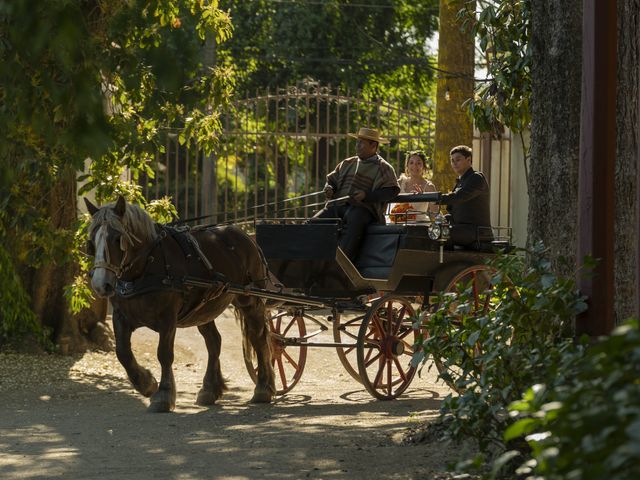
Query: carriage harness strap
{"type": "Point", "coordinates": [147, 282]}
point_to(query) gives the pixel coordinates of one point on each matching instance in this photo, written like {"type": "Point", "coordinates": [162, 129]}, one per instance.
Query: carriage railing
{"type": "Point", "coordinates": [496, 234]}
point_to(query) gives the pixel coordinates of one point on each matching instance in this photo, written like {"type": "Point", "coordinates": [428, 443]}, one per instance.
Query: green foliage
{"type": "Point", "coordinates": [78, 294]}
{"type": "Point", "coordinates": [157, 76]}
{"type": "Point", "coordinates": [493, 357]}
{"type": "Point", "coordinates": [585, 423]}
{"type": "Point", "coordinates": [538, 404]}
{"type": "Point", "coordinates": [503, 32]}
{"type": "Point", "coordinates": [379, 48]}
{"type": "Point", "coordinates": [94, 80]}
{"type": "Point", "coordinates": [16, 318]}
{"type": "Point", "coordinates": [162, 210]}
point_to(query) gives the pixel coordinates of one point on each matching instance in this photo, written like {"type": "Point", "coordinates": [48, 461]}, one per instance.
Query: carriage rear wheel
{"type": "Point", "coordinates": [345, 331]}
{"type": "Point", "coordinates": [477, 280]}
{"type": "Point", "coordinates": [385, 347]}
{"type": "Point", "coordinates": [288, 357]}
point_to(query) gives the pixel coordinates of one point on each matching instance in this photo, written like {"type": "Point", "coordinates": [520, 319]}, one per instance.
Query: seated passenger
{"type": "Point", "coordinates": [468, 203]}
{"type": "Point", "coordinates": [367, 183]}
{"type": "Point", "coordinates": [413, 181]}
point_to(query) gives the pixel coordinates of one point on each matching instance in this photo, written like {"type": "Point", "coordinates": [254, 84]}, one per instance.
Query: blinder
{"type": "Point", "coordinates": [124, 239]}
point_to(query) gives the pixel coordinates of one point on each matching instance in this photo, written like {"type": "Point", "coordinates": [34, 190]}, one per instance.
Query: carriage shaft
{"type": "Point", "coordinates": [258, 292]}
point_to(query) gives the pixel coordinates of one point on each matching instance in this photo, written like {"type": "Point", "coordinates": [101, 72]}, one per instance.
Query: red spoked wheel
{"type": "Point", "coordinates": [477, 280]}
{"type": "Point", "coordinates": [286, 328]}
{"type": "Point", "coordinates": [345, 330]}
{"type": "Point", "coordinates": [385, 347]}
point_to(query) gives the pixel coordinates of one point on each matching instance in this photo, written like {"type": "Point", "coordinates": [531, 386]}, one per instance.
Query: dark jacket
{"type": "Point", "coordinates": [468, 203]}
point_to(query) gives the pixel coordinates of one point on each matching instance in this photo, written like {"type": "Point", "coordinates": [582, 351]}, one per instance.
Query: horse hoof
{"type": "Point", "coordinates": [147, 385]}
{"type": "Point", "coordinates": [149, 389]}
{"type": "Point", "coordinates": [261, 397]}
{"type": "Point", "coordinates": [160, 407]}
{"type": "Point", "coordinates": [206, 397]}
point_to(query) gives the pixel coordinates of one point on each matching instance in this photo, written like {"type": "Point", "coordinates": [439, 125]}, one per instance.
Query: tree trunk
{"type": "Point", "coordinates": [456, 61]}
{"type": "Point", "coordinates": [555, 129]}
{"type": "Point", "coordinates": [72, 333]}
{"type": "Point", "coordinates": [627, 215]}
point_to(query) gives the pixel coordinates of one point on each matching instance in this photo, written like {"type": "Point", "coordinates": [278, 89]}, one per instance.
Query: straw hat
{"type": "Point", "coordinates": [369, 134]}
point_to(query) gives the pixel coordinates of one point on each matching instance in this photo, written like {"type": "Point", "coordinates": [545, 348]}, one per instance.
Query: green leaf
{"type": "Point", "coordinates": [519, 428]}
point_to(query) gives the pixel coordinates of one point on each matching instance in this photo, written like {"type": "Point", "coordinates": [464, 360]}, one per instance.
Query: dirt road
{"type": "Point", "coordinates": [79, 418]}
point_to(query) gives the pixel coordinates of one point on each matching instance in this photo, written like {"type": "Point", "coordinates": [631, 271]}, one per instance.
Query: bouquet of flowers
{"type": "Point", "coordinates": [399, 213]}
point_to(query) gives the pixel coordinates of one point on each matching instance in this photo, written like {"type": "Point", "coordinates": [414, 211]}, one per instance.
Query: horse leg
{"type": "Point", "coordinates": [141, 378]}
{"type": "Point", "coordinates": [164, 400]}
{"type": "Point", "coordinates": [254, 317]}
{"type": "Point", "coordinates": [213, 384]}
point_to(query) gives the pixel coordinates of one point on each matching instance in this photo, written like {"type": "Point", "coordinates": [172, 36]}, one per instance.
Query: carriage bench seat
{"type": "Point", "coordinates": [381, 244]}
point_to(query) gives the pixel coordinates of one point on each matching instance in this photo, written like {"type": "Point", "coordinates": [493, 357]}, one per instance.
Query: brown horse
{"type": "Point", "coordinates": [142, 266]}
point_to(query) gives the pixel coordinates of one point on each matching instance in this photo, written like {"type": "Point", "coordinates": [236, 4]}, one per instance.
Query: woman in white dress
{"type": "Point", "coordinates": [413, 181]}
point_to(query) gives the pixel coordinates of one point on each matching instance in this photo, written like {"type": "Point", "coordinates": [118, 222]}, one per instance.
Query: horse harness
{"type": "Point", "coordinates": [215, 285]}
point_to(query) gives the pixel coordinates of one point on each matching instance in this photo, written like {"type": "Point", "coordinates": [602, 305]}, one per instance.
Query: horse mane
{"type": "Point", "coordinates": [135, 222]}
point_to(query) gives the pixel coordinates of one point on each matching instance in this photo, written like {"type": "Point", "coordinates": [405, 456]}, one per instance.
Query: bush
{"type": "Point", "coordinates": [494, 346]}
{"type": "Point", "coordinates": [586, 426]}
{"type": "Point", "coordinates": [17, 320]}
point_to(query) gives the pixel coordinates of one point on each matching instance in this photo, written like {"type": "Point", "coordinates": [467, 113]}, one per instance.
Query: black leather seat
{"type": "Point", "coordinates": [379, 248]}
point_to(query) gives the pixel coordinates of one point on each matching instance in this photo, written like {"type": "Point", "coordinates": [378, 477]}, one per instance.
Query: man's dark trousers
{"type": "Point", "coordinates": [355, 219]}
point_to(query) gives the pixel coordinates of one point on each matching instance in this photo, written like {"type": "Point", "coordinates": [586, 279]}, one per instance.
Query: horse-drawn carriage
{"type": "Point", "coordinates": [372, 304]}
{"type": "Point", "coordinates": [177, 278]}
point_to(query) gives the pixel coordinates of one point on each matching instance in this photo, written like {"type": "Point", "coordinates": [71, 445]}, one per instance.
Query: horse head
{"type": "Point", "coordinates": [117, 234]}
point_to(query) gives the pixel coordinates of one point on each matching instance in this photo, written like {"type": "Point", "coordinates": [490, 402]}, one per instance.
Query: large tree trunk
{"type": "Point", "coordinates": [627, 161]}
{"type": "Point", "coordinates": [72, 333]}
{"type": "Point", "coordinates": [456, 61]}
{"type": "Point", "coordinates": [48, 281]}
{"type": "Point", "coordinates": [555, 130]}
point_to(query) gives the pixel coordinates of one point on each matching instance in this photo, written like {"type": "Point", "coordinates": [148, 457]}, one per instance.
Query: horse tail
{"type": "Point", "coordinates": [248, 326]}
{"type": "Point", "coordinates": [247, 348]}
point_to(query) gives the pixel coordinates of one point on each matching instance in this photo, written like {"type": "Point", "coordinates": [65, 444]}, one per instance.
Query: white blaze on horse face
{"type": "Point", "coordinates": [101, 275]}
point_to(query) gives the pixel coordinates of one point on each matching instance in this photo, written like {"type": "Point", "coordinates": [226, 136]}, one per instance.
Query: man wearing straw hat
{"type": "Point", "coordinates": [359, 189]}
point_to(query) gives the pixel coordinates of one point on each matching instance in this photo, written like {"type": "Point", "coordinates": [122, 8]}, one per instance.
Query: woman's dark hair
{"type": "Point", "coordinates": [426, 161]}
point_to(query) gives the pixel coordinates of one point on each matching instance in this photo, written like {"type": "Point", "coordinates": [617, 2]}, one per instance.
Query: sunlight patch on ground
{"type": "Point", "coordinates": [48, 452]}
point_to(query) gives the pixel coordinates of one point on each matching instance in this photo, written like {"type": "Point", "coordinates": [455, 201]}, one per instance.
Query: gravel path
{"type": "Point", "coordinates": [79, 418]}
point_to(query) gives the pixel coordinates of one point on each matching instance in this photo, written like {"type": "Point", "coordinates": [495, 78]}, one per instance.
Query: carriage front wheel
{"type": "Point", "coordinates": [385, 347]}
{"type": "Point", "coordinates": [476, 282]}
{"type": "Point", "coordinates": [288, 357]}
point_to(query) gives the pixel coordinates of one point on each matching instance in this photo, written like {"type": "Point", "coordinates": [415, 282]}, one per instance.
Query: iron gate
{"type": "Point", "coordinates": [279, 145]}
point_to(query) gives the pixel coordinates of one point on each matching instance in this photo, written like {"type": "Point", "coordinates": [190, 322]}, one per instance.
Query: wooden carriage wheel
{"type": "Point", "coordinates": [385, 347]}
{"type": "Point", "coordinates": [288, 361]}
{"type": "Point", "coordinates": [477, 278]}
{"type": "Point", "coordinates": [346, 332]}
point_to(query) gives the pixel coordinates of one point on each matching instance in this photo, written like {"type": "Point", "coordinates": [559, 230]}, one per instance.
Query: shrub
{"type": "Point", "coordinates": [491, 355]}
{"type": "Point", "coordinates": [586, 426]}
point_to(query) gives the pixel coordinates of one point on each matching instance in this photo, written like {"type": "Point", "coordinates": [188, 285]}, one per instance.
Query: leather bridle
{"type": "Point", "coordinates": [121, 269]}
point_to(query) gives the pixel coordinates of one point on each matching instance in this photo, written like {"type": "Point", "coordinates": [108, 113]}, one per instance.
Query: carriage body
{"type": "Point", "coordinates": [371, 305]}
{"type": "Point", "coordinates": [399, 258]}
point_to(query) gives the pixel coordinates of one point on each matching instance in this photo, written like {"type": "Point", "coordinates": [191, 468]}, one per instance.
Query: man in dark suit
{"type": "Point", "coordinates": [468, 203]}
